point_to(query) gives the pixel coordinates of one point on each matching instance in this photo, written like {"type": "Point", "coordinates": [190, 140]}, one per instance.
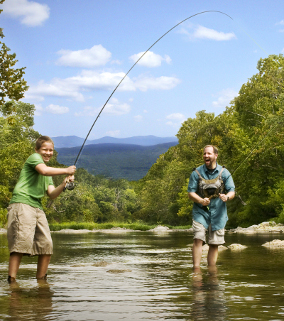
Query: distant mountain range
{"type": "Point", "coordinates": [124, 160]}
{"type": "Point", "coordinates": [75, 141]}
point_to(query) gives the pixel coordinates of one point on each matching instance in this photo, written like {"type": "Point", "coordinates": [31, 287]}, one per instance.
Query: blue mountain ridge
{"type": "Point", "coordinates": [75, 141]}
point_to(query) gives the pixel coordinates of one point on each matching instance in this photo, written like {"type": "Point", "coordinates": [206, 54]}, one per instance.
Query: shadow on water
{"type": "Point", "coordinates": [146, 276]}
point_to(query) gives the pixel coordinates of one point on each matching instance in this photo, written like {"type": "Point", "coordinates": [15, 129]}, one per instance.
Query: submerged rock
{"type": "Point", "coordinates": [115, 271]}
{"type": "Point", "coordinates": [237, 247]}
{"type": "Point", "coordinates": [274, 244]}
{"type": "Point", "coordinates": [101, 263]}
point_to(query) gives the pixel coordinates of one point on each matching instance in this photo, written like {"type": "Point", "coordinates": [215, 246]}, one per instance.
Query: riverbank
{"type": "Point", "coordinates": [81, 228]}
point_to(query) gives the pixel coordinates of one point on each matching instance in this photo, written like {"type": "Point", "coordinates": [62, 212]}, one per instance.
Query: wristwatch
{"type": "Point", "coordinates": [228, 198]}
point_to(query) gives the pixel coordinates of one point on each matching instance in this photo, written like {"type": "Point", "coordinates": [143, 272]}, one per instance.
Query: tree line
{"type": "Point", "coordinates": [249, 135]}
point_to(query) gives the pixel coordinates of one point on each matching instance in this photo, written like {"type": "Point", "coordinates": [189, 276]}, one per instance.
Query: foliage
{"type": "Point", "coordinates": [117, 161]}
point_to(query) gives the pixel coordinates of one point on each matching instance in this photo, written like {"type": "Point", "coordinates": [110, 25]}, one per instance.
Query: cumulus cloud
{"type": "Point", "coordinates": [160, 83]}
{"type": "Point", "coordinates": [38, 110]}
{"type": "Point", "coordinates": [201, 32]}
{"type": "Point", "coordinates": [206, 33]}
{"type": "Point", "coordinates": [114, 107]}
{"type": "Point", "coordinates": [56, 109]}
{"type": "Point", "coordinates": [225, 97]}
{"type": "Point", "coordinates": [175, 119]}
{"type": "Point", "coordinates": [150, 59]}
{"type": "Point", "coordinates": [138, 118]}
{"type": "Point", "coordinates": [113, 133]}
{"type": "Point", "coordinates": [31, 13]}
{"type": "Point", "coordinates": [87, 58]}
{"type": "Point", "coordinates": [90, 80]}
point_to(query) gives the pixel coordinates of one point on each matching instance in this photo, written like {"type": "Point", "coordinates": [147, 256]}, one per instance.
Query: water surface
{"type": "Point", "coordinates": [146, 276]}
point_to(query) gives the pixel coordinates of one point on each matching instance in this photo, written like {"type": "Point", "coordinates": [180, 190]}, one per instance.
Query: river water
{"type": "Point", "coordinates": [146, 276]}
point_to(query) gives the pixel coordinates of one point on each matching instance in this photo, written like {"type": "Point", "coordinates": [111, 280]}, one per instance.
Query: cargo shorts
{"type": "Point", "coordinates": [28, 231]}
{"type": "Point", "coordinates": [214, 237]}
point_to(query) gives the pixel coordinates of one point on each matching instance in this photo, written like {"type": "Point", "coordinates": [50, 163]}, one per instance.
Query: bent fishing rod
{"type": "Point", "coordinates": [199, 13]}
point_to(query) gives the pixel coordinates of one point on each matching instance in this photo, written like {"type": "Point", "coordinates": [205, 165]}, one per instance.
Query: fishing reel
{"type": "Point", "coordinates": [69, 185]}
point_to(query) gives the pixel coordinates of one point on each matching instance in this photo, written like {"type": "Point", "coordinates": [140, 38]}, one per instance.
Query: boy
{"type": "Point", "coordinates": [28, 231]}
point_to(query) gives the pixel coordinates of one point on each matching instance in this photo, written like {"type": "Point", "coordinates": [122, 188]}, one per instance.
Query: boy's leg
{"type": "Point", "coordinates": [42, 266]}
{"type": "Point", "coordinates": [14, 264]}
{"type": "Point", "coordinates": [212, 255]}
{"type": "Point", "coordinates": [197, 253]}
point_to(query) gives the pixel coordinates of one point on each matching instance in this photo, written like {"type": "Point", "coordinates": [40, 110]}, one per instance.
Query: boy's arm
{"type": "Point", "coordinates": [53, 192]}
{"type": "Point", "coordinates": [52, 171]}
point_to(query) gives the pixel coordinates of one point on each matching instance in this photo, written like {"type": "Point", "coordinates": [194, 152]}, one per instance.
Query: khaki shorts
{"type": "Point", "coordinates": [214, 237]}
{"type": "Point", "coordinates": [28, 231]}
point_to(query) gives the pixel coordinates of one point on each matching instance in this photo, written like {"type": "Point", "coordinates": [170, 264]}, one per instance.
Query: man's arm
{"type": "Point", "coordinates": [228, 196]}
{"type": "Point", "coordinates": [197, 199]}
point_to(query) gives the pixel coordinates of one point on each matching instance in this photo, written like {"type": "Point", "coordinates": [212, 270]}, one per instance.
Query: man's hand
{"type": "Point", "coordinates": [205, 201]}
{"type": "Point", "coordinates": [223, 197]}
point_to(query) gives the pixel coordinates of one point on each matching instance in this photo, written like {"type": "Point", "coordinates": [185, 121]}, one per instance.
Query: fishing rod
{"type": "Point", "coordinates": [70, 185]}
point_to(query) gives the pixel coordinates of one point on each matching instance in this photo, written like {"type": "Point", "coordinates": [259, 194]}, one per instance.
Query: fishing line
{"type": "Point", "coordinates": [199, 13]}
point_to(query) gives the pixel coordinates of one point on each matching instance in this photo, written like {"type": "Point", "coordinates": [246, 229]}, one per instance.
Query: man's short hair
{"type": "Point", "coordinates": [41, 140]}
{"type": "Point", "coordinates": [215, 149]}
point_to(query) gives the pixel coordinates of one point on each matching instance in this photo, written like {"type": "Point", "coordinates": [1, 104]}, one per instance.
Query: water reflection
{"type": "Point", "coordinates": [29, 303]}
{"type": "Point", "coordinates": [146, 276]}
{"type": "Point", "coordinates": [208, 296]}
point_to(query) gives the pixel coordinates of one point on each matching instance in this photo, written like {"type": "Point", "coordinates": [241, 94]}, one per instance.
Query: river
{"type": "Point", "coordinates": [146, 276]}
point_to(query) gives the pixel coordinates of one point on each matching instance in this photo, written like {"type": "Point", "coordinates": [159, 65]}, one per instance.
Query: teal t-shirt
{"type": "Point", "coordinates": [31, 186]}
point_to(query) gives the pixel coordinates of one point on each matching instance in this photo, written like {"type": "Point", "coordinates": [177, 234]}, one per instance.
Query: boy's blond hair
{"type": "Point", "coordinates": [41, 140]}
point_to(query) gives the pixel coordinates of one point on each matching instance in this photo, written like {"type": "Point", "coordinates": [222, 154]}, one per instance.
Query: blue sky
{"type": "Point", "coordinates": [76, 52]}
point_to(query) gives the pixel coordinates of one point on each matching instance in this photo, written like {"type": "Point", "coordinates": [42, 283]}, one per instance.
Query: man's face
{"type": "Point", "coordinates": [209, 157]}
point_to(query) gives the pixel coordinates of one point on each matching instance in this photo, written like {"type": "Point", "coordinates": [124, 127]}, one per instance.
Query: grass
{"type": "Point", "coordinates": [100, 226]}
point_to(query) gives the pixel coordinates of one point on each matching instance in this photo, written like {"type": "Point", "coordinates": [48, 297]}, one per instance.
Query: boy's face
{"type": "Point", "coordinates": [46, 151]}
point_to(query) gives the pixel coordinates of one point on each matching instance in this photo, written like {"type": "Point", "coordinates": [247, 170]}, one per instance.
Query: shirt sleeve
{"type": "Point", "coordinates": [34, 160]}
{"type": "Point", "coordinates": [228, 181]}
{"type": "Point", "coordinates": [193, 183]}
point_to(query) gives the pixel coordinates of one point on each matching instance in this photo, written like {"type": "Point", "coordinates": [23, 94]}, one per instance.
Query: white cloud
{"type": "Point", "coordinates": [176, 116]}
{"type": "Point", "coordinates": [138, 118]}
{"type": "Point", "coordinates": [280, 22]}
{"type": "Point", "coordinates": [38, 110]}
{"type": "Point", "coordinates": [160, 83]}
{"type": "Point", "coordinates": [31, 13]}
{"type": "Point", "coordinates": [113, 133]}
{"type": "Point", "coordinates": [115, 108]}
{"type": "Point", "coordinates": [89, 58]}
{"type": "Point", "coordinates": [90, 80]}
{"type": "Point", "coordinates": [206, 33]}
{"type": "Point", "coordinates": [225, 97]}
{"type": "Point", "coordinates": [175, 119]}
{"type": "Point", "coordinates": [56, 109]}
{"type": "Point", "coordinates": [150, 59]}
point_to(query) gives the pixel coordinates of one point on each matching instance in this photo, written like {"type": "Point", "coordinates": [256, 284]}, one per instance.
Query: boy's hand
{"type": "Point", "coordinates": [71, 170]}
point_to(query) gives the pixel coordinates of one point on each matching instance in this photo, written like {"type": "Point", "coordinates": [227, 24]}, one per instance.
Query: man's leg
{"type": "Point", "coordinates": [14, 264]}
{"type": "Point", "coordinates": [212, 255]}
{"type": "Point", "coordinates": [42, 266]}
{"type": "Point", "coordinates": [197, 253]}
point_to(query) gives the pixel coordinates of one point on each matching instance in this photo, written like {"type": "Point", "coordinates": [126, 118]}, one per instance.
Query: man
{"type": "Point", "coordinates": [210, 187]}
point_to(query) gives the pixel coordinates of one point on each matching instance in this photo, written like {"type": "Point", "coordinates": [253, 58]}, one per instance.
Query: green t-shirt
{"type": "Point", "coordinates": [31, 186]}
